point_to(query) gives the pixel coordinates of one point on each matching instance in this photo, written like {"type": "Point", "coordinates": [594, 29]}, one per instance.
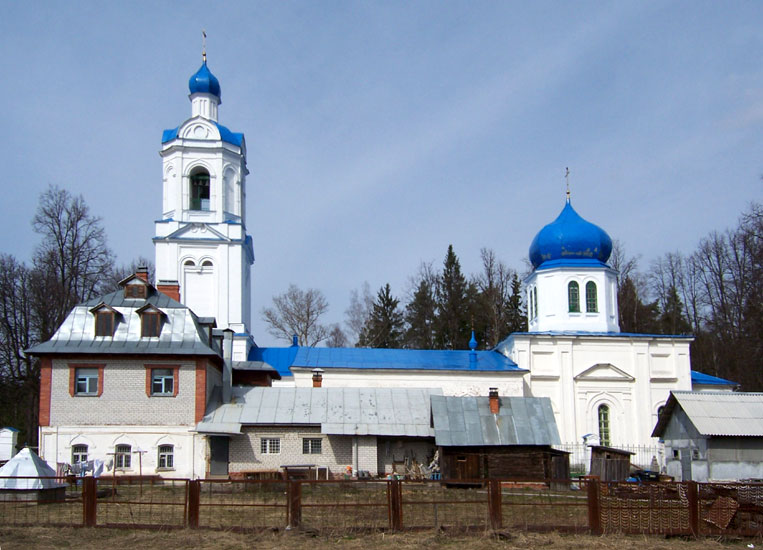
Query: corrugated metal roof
{"type": "Point", "coordinates": [344, 411]}
{"type": "Point", "coordinates": [467, 421]}
{"type": "Point", "coordinates": [370, 358]}
{"type": "Point", "coordinates": [181, 333]}
{"type": "Point", "coordinates": [722, 413]}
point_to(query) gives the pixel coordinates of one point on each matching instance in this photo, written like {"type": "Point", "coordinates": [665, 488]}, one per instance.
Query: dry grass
{"type": "Point", "coordinates": [42, 538]}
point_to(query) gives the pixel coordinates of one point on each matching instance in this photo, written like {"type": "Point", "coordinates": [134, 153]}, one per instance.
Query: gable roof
{"type": "Point", "coordinates": [338, 411]}
{"type": "Point", "coordinates": [716, 413]}
{"type": "Point", "coordinates": [467, 421]}
{"type": "Point", "coordinates": [283, 359]}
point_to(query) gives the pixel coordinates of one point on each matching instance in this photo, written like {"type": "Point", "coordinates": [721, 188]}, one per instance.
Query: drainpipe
{"type": "Point", "coordinates": [355, 455]}
{"type": "Point", "coordinates": [227, 364]}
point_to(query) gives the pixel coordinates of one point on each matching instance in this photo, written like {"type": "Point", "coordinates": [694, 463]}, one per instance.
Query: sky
{"type": "Point", "coordinates": [378, 133]}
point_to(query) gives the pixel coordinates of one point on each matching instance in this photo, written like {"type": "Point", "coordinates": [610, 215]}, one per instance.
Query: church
{"type": "Point", "coordinates": [164, 377]}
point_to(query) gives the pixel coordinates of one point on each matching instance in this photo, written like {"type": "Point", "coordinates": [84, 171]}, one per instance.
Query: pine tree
{"type": "Point", "coordinates": [420, 316]}
{"type": "Point", "coordinates": [453, 307]}
{"type": "Point", "coordinates": [384, 328]}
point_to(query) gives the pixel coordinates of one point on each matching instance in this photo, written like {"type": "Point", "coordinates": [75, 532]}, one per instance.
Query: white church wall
{"type": "Point", "coordinates": [451, 382]}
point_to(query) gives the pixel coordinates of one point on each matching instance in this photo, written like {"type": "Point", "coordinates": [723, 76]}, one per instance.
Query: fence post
{"type": "Point", "coordinates": [692, 498]}
{"type": "Point", "coordinates": [594, 506]}
{"type": "Point", "coordinates": [494, 504]}
{"type": "Point", "coordinates": [294, 504]}
{"type": "Point", "coordinates": [395, 503]}
{"type": "Point", "coordinates": [194, 502]}
{"type": "Point", "coordinates": [89, 509]}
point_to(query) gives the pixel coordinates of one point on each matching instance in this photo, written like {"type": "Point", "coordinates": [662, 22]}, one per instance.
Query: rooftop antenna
{"type": "Point", "coordinates": [204, 45]}
{"type": "Point", "coordinates": [567, 177]}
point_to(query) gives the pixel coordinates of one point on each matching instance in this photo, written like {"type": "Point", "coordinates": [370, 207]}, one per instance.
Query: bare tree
{"type": "Point", "coordinates": [337, 338]}
{"type": "Point", "coordinates": [72, 255]}
{"type": "Point", "coordinates": [358, 312]}
{"type": "Point", "coordinates": [298, 312]}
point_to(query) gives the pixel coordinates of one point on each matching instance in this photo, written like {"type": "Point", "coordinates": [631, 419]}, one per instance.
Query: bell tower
{"type": "Point", "coordinates": [202, 248]}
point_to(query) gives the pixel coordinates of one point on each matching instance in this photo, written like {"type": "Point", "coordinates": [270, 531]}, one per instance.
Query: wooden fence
{"type": "Point", "coordinates": [585, 505]}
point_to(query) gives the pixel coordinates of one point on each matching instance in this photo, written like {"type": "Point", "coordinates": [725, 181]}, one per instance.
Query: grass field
{"type": "Point", "coordinates": [41, 538]}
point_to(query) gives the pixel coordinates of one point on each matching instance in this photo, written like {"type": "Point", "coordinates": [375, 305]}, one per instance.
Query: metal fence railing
{"type": "Point", "coordinates": [580, 505]}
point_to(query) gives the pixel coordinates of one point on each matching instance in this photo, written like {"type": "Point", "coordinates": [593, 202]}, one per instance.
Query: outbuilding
{"type": "Point", "coordinates": [712, 436]}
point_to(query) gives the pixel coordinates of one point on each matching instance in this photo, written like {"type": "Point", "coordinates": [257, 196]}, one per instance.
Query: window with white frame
{"type": "Point", "coordinates": [162, 382]}
{"type": "Point", "coordinates": [312, 445]}
{"type": "Point", "coordinates": [122, 456]}
{"type": "Point", "coordinates": [604, 425]}
{"type": "Point", "coordinates": [166, 458]}
{"type": "Point", "coordinates": [86, 382]}
{"type": "Point", "coordinates": [79, 453]}
{"type": "Point", "coordinates": [270, 445]}
{"type": "Point", "coordinates": [591, 300]}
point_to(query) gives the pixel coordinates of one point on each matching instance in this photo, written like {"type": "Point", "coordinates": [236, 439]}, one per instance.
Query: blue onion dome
{"type": "Point", "coordinates": [204, 82]}
{"type": "Point", "coordinates": [570, 240]}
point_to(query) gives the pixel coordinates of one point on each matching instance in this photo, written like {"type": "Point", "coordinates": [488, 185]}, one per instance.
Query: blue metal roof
{"type": "Point", "coordinates": [234, 138]}
{"type": "Point", "coordinates": [570, 237]}
{"type": "Point", "coordinates": [204, 82]}
{"type": "Point", "coordinates": [701, 378]}
{"type": "Point", "coordinates": [371, 358]}
{"type": "Point", "coordinates": [571, 262]}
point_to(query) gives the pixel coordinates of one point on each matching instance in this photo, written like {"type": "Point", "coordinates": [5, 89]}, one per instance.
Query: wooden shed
{"type": "Point", "coordinates": [610, 464]}
{"type": "Point", "coordinates": [497, 437]}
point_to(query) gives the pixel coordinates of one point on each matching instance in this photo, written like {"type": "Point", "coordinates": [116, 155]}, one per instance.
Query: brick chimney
{"type": "Point", "coordinates": [317, 378]}
{"type": "Point", "coordinates": [495, 403]}
{"type": "Point", "coordinates": [142, 272]}
{"type": "Point", "coordinates": [169, 288]}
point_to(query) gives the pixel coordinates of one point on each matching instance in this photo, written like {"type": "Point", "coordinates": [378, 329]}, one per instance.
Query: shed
{"type": "Point", "coordinates": [610, 464]}
{"type": "Point", "coordinates": [8, 440]}
{"type": "Point", "coordinates": [712, 436]}
{"type": "Point", "coordinates": [497, 437]}
{"type": "Point", "coordinates": [27, 477]}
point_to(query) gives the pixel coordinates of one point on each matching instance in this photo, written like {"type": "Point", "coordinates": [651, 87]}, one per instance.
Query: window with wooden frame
{"type": "Point", "coordinates": [150, 324]}
{"type": "Point", "coordinates": [136, 291]}
{"type": "Point", "coordinates": [104, 323]}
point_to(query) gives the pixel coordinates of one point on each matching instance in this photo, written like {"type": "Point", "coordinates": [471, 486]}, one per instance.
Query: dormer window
{"type": "Point", "coordinates": [105, 320]}
{"type": "Point", "coordinates": [150, 321]}
{"type": "Point", "coordinates": [200, 191]}
{"type": "Point", "coordinates": [136, 291]}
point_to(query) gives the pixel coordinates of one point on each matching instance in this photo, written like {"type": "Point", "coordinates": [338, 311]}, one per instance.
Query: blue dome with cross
{"type": "Point", "coordinates": [204, 82]}
{"type": "Point", "coordinates": [570, 241]}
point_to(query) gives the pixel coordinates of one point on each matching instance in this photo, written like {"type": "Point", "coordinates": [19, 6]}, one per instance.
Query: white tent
{"type": "Point", "coordinates": [26, 464]}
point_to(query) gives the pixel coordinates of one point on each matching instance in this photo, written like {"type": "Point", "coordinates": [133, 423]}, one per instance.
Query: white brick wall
{"type": "Point", "coordinates": [124, 400]}
{"type": "Point", "coordinates": [245, 455]}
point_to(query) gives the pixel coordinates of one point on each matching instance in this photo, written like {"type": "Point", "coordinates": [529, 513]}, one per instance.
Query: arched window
{"type": "Point", "coordinates": [79, 453]}
{"type": "Point", "coordinates": [122, 456]}
{"type": "Point", "coordinates": [206, 263]}
{"type": "Point", "coordinates": [573, 295]}
{"type": "Point", "coordinates": [200, 190]}
{"type": "Point", "coordinates": [189, 263]}
{"type": "Point", "coordinates": [166, 457]}
{"type": "Point", "coordinates": [591, 304]}
{"type": "Point", "coordinates": [604, 425]}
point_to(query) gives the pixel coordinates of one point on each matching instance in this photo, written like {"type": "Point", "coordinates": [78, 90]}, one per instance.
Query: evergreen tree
{"type": "Point", "coordinates": [516, 319]}
{"type": "Point", "coordinates": [384, 328]}
{"type": "Point", "coordinates": [453, 307]}
{"type": "Point", "coordinates": [672, 319]}
{"type": "Point", "coordinates": [420, 317]}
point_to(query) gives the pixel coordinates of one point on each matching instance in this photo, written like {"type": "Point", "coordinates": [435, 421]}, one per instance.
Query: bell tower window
{"type": "Point", "coordinates": [591, 305]}
{"type": "Point", "coordinates": [573, 295]}
{"type": "Point", "coordinates": [200, 191]}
